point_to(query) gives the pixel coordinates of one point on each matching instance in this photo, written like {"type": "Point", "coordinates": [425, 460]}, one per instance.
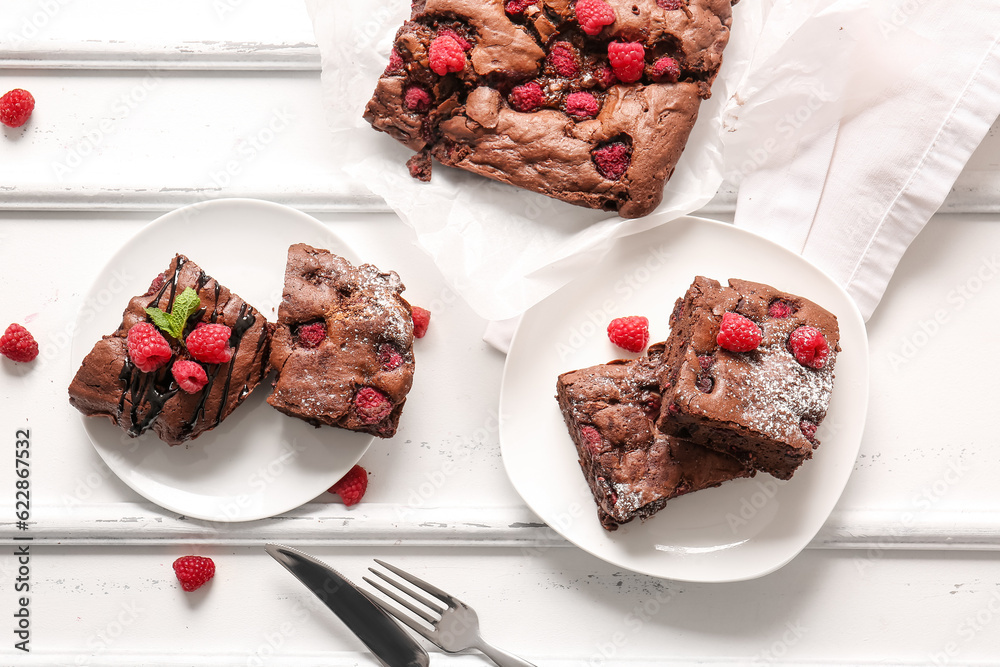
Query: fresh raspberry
{"type": "Point", "coordinates": [210, 344]}
{"type": "Point", "coordinates": [562, 57]}
{"type": "Point", "coordinates": [527, 97]}
{"type": "Point", "coordinates": [18, 344]}
{"type": "Point", "coordinates": [416, 98]}
{"type": "Point", "coordinates": [446, 55]}
{"type": "Point", "coordinates": [612, 160]}
{"type": "Point", "coordinates": [670, 5]}
{"type": "Point", "coordinates": [395, 65]}
{"type": "Point", "coordinates": [780, 309]}
{"type": "Point", "coordinates": [147, 348]}
{"type": "Point", "coordinates": [517, 7]}
{"type": "Point", "coordinates": [592, 439]}
{"type": "Point", "coordinates": [190, 376]}
{"type": "Point", "coordinates": [738, 334]}
{"type": "Point", "coordinates": [628, 60]}
{"type": "Point", "coordinates": [16, 107]}
{"type": "Point", "coordinates": [371, 405]}
{"type": "Point", "coordinates": [463, 42]}
{"type": "Point", "coordinates": [605, 76]}
{"type": "Point", "coordinates": [666, 70]}
{"type": "Point", "coordinates": [389, 357]}
{"type": "Point", "coordinates": [352, 486]}
{"type": "Point", "coordinates": [194, 571]}
{"type": "Point", "coordinates": [311, 335]}
{"type": "Point", "coordinates": [629, 333]}
{"type": "Point", "coordinates": [809, 347]}
{"type": "Point", "coordinates": [593, 15]}
{"type": "Point", "coordinates": [421, 320]}
{"type": "Point", "coordinates": [582, 105]}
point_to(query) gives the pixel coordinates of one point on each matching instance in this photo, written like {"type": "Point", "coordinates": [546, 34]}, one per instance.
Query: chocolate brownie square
{"type": "Point", "coordinates": [762, 405]}
{"type": "Point", "coordinates": [108, 383]}
{"type": "Point", "coordinates": [343, 347]}
{"type": "Point", "coordinates": [590, 102]}
{"type": "Point", "coordinates": [631, 468]}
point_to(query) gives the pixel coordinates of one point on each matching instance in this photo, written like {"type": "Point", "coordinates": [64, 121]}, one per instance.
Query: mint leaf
{"type": "Point", "coordinates": [160, 319]}
{"type": "Point", "coordinates": [185, 304]}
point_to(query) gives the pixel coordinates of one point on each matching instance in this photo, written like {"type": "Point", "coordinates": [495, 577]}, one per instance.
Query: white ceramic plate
{"type": "Point", "coordinates": [740, 530]}
{"type": "Point", "coordinates": [258, 462]}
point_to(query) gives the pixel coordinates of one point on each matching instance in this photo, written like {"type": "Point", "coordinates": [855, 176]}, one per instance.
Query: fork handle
{"type": "Point", "coordinates": [501, 657]}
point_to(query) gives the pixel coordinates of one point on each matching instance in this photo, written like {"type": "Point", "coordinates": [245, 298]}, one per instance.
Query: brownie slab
{"type": "Point", "coordinates": [633, 469]}
{"type": "Point", "coordinates": [343, 346]}
{"type": "Point", "coordinates": [535, 100]}
{"type": "Point", "coordinates": [761, 406]}
{"type": "Point", "coordinates": [109, 385]}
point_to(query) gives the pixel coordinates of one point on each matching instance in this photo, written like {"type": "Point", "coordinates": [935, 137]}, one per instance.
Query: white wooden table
{"type": "Point", "coordinates": [146, 106]}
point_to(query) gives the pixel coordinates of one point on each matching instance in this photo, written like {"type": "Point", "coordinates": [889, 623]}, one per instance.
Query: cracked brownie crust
{"type": "Point", "coordinates": [530, 98]}
{"type": "Point", "coordinates": [109, 385]}
{"type": "Point", "coordinates": [631, 468]}
{"type": "Point", "coordinates": [343, 346]}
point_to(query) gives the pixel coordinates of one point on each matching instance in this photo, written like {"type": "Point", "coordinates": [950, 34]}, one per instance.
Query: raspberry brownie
{"type": "Point", "coordinates": [183, 382]}
{"type": "Point", "coordinates": [343, 347]}
{"type": "Point", "coordinates": [751, 372]}
{"type": "Point", "coordinates": [633, 469]}
{"type": "Point", "coordinates": [590, 102]}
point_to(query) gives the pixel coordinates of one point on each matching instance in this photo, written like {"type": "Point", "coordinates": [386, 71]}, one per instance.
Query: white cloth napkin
{"type": "Point", "coordinates": [852, 123]}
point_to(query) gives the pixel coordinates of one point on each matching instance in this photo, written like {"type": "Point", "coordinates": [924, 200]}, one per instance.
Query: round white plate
{"type": "Point", "coordinates": [743, 529]}
{"type": "Point", "coordinates": [258, 462]}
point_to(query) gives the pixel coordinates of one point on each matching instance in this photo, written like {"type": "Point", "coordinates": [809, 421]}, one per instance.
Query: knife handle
{"type": "Point", "coordinates": [501, 657]}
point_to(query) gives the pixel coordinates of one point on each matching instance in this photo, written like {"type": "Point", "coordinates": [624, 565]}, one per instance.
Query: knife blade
{"type": "Point", "coordinates": [380, 633]}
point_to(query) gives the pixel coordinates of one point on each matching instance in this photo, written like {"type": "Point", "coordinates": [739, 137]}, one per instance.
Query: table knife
{"type": "Point", "coordinates": [380, 633]}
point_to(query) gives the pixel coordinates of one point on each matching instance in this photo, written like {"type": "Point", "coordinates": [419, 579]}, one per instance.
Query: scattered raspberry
{"type": "Point", "coordinates": [352, 486]}
{"type": "Point", "coordinates": [629, 333]}
{"type": "Point", "coordinates": [194, 571]}
{"type": "Point", "coordinates": [527, 97]}
{"type": "Point", "coordinates": [670, 5]}
{"type": "Point", "coordinates": [593, 15]}
{"type": "Point", "coordinates": [809, 347]}
{"type": "Point", "coordinates": [666, 70]}
{"type": "Point", "coordinates": [371, 405]}
{"type": "Point", "coordinates": [417, 99]}
{"type": "Point", "coordinates": [738, 334]}
{"type": "Point", "coordinates": [605, 76]}
{"type": "Point", "coordinates": [780, 309]}
{"type": "Point", "coordinates": [582, 105]}
{"type": "Point", "coordinates": [210, 344]}
{"type": "Point", "coordinates": [705, 361]}
{"type": "Point", "coordinates": [16, 107]}
{"type": "Point", "coordinates": [517, 7]}
{"type": "Point", "coordinates": [389, 357]}
{"type": "Point", "coordinates": [627, 59]}
{"type": "Point", "coordinates": [592, 439]}
{"type": "Point", "coordinates": [311, 335]}
{"type": "Point", "coordinates": [446, 55]}
{"type": "Point", "coordinates": [190, 376]}
{"type": "Point", "coordinates": [463, 42]}
{"type": "Point", "coordinates": [562, 57]}
{"type": "Point", "coordinates": [421, 320]}
{"type": "Point", "coordinates": [704, 383]}
{"type": "Point", "coordinates": [612, 160]}
{"type": "Point", "coordinates": [18, 344]}
{"type": "Point", "coordinates": [651, 404]}
{"type": "Point", "coordinates": [395, 65]}
{"type": "Point", "coordinates": [157, 283]}
{"type": "Point", "coordinates": [147, 348]}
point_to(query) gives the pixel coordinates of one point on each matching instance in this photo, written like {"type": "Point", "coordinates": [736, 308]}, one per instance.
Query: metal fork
{"type": "Point", "coordinates": [454, 626]}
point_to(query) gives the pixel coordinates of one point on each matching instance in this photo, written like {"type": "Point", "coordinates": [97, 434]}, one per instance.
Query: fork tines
{"type": "Point", "coordinates": [414, 595]}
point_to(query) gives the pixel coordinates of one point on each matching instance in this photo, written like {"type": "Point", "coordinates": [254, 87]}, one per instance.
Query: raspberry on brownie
{"type": "Point", "coordinates": [343, 347]}
{"type": "Point", "coordinates": [111, 381]}
{"type": "Point", "coordinates": [751, 372]}
{"type": "Point", "coordinates": [590, 101]}
{"type": "Point", "coordinates": [633, 469]}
